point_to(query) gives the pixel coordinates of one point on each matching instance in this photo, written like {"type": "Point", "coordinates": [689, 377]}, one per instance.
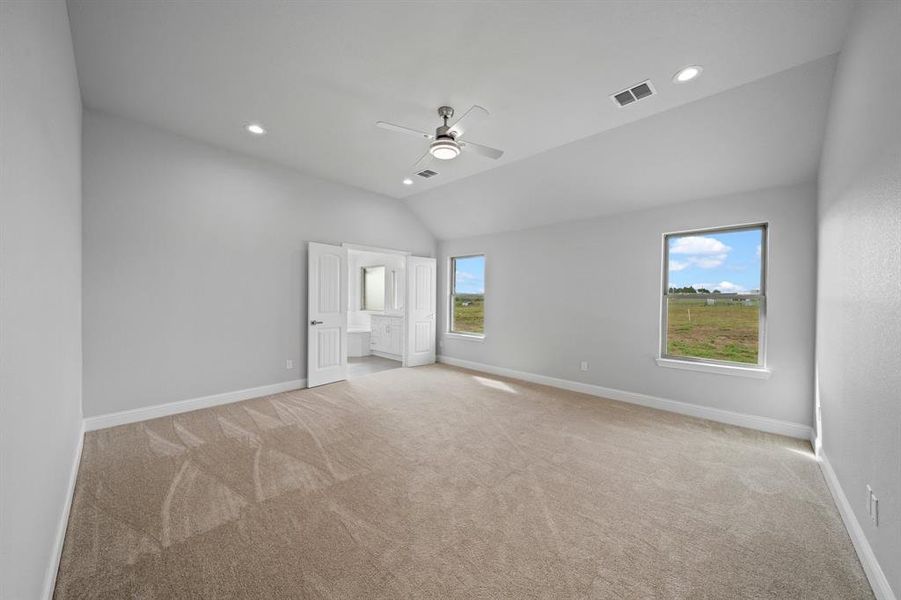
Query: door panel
{"type": "Point", "coordinates": [422, 337]}
{"type": "Point", "coordinates": [329, 347]}
{"type": "Point", "coordinates": [326, 314]}
{"type": "Point", "coordinates": [420, 329]}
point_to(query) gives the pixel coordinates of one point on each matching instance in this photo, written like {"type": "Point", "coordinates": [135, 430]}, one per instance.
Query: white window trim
{"type": "Point", "coordinates": [759, 371]}
{"type": "Point", "coordinates": [721, 369]}
{"type": "Point", "coordinates": [448, 332]}
{"type": "Point", "coordinates": [469, 337]}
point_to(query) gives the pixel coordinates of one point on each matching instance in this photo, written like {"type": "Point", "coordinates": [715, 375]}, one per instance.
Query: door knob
{"type": "Point", "coordinates": [315, 322]}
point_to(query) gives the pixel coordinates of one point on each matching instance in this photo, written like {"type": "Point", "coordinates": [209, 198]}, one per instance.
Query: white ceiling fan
{"type": "Point", "coordinates": [447, 140]}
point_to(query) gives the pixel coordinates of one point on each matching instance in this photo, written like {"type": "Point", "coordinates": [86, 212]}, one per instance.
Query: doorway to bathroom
{"type": "Point", "coordinates": [369, 310]}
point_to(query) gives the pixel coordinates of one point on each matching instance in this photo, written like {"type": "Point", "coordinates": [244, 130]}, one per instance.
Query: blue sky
{"type": "Point", "coordinates": [470, 275]}
{"type": "Point", "coordinates": [729, 262]}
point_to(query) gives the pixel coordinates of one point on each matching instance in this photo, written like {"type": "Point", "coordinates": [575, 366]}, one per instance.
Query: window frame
{"type": "Point", "coordinates": [694, 363]}
{"type": "Point", "coordinates": [451, 294]}
{"type": "Point", "coordinates": [363, 307]}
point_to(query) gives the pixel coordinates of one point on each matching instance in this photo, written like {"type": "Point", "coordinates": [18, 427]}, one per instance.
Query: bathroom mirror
{"type": "Point", "coordinates": [373, 288]}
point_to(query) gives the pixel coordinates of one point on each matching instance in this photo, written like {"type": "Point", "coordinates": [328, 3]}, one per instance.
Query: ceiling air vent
{"type": "Point", "coordinates": [633, 94]}
{"type": "Point", "coordinates": [427, 173]}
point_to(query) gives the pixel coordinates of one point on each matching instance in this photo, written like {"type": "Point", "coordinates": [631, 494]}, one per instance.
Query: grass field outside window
{"type": "Point", "coordinates": [467, 295]}
{"type": "Point", "coordinates": [727, 330]}
{"type": "Point", "coordinates": [714, 302]}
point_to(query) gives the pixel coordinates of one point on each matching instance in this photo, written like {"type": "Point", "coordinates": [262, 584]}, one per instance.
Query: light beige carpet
{"type": "Point", "coordinates": [436, 482]}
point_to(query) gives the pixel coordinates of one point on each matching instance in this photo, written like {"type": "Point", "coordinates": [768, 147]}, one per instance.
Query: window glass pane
{"type": "Point", "coordinates": [468, 296]}
{"type": "Point", "coordinates": [725, 262]}
{"type": "Point", "coordinates": [373, 288]}
{"type": "Point", "coordinates": [720, 329]}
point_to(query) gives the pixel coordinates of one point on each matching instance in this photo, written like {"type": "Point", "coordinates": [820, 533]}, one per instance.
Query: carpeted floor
{"type": "Point", "coordinates": [436, 482]}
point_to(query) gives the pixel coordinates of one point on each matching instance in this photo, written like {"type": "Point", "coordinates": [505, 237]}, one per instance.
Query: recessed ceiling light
{"type": "Point", "coordinates": [687, 73]}
{"type": "Point", "coordinates": [256, 129]}
{"type": "Point", "coordinates": [408, 181]}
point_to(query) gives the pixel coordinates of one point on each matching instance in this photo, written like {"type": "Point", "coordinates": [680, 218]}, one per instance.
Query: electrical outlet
{"type": "Point", "coordinates": [289, 364]}
{"type": "Point", "coordinates": [584, 365]}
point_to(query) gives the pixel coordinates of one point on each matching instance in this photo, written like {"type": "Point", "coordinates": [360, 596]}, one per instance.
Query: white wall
{"type": "Point", "coordinates": [859, 291]}
{"type": "Point", "coordinates": [195, 263]}
{"type": "Point", "coordinates": [590, 290]}
{"type": "Point", "coordinates": [40, 289]}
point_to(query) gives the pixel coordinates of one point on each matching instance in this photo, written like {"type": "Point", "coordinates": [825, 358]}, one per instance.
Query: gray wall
{"type": "Point", "coordinates": [40, 287]}
{"type": "Point", "coordinates": [195, 263]}
{"type": "Point", "coordinates": [590, 290]}
{"type": "Point", "coordinates": [859, 297]}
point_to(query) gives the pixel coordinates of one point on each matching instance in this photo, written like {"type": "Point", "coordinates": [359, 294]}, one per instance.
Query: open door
{"type": "Point", "coordinates": [326, 314]}
{"type": "Point", "coordinates": [420, 329]}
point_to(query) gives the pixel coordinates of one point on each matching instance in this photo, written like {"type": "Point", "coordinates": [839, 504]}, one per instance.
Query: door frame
{"type": "Point", "coordinates": [366, 248]}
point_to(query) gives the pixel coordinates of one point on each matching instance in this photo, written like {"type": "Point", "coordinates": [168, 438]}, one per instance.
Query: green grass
{"type": "Point", "coordinates": [728, 330]}
{"type": "Point", "coordinates": [469, 313]}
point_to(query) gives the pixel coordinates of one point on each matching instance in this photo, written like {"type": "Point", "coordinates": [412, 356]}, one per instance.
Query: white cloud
{"type": "Point", "coordinates": [470, 283]}
{"type": "Point", "coordinates": [726, 287]}
{"type": "Point", "coordinates": [698, 251]}
{"type": "Point", "coordinates": [710, 262]}
{"type": "Point", "coordinates": [698, 244]}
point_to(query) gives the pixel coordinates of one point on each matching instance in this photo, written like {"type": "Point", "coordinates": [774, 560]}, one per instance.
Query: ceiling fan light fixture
{"type": "Point", "coordinates": [444, 149]}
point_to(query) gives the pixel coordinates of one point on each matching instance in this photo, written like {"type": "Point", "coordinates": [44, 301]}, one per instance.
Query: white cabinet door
{"type": "Point", "coordinates": [396, 336]}
{"type": "Point", "coordinates": [326, 314]}
{"type": "Point", "coordinates": [387, 334]}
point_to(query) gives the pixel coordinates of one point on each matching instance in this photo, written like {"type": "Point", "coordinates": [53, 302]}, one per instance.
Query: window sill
{"type": "Point", "coordinates": [704, 367]}
{"type": "Point", "coordinates": [464, 336]}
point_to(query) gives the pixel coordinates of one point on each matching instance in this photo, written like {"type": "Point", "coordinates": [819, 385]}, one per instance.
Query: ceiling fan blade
{"type": "Point", "coordinates": [486, 151]}
{"type": "Point", "coordinates": [402, 129]}
{"type": "Point", "coordinates": [472, 116]}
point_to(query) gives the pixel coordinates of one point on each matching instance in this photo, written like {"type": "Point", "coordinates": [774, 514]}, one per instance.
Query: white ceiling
{"type": "Point", "coordinates": [320, 74]}
{"type": "Point", "coordinates": [764, 134]}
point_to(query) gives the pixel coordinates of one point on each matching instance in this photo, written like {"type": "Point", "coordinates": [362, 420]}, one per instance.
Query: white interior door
{"type": "Point", "coordinates": [326, 314]}
{"type": "Point", "coordinates": [421, 304]}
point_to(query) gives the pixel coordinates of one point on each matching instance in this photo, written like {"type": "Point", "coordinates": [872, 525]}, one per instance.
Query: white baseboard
{"type": "Point", "coordinates": [174, 408]}
{"type": "Point", "coordinates": [795, 430]}
{"type": "Point", "coordinates": [878, 580]}
{"type": "Point", "coordinates": [387, 355]}
{"type": "Point", "coordinates": [53, 567]}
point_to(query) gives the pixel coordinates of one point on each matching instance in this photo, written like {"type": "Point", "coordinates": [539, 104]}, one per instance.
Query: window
{"type": "Point", "coordinates": [373, 288]}
{"type": "Point", "coordinates": [467, 295]}
{"type": "Point", "coordinates": [714, 296]}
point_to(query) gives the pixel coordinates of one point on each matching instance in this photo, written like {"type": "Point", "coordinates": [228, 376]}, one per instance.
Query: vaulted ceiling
{"type": "Point", "coordinates": [319, 75]}
{"type": "Point", "coordinates": [763, 134]}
